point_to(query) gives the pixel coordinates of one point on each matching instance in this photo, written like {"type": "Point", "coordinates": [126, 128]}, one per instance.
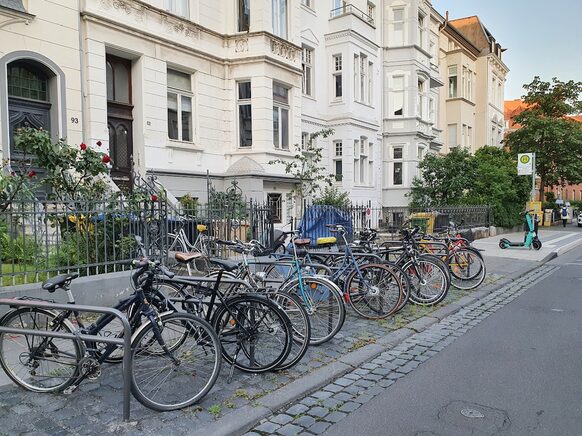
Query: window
{"type": "Point", "coordinates": [397, 153]}
{"type": "Point", "coordinates": [363, 161]}
{"type": "Point", "coordinates": [339, 8]}
{"type": "Point", "coordinates": [431, 116]}
{"type": "Point", "coordinates": [308, 3]}
{"type": "Point", "coordinates": [464, 135]}
{"type": "Point", "coordinates": [398, 96]}
{"type": "Point", "coordinates": [453, 81]}
{"type": "Point", "coordinates": [452, 135]}
{"type": "Point", "coordinates": [179, 106]}
{"type": "Point", "coordinates": [432, 51]}
{"type": "Point", "coordinates": [337, 76]}
{"type": "Point", "coordinates": [397, 27]}
{"type": "Point", "coordinates": [493, 97]}
{"type": "Point", "coordinates": [280, 116]}
{"type": "Point", "coordinates": [177, 7]}
{"type": "Point", "coordinates": [275, 201]}
{"type": "Point", "coordinates": [492, 135]}
{"type": "Point", "coordinates": [371, 10]}
{"type": "Point", "coordinates": [420, 100]}
{"type": "Point", "coordinates": [421, 30]}
{"type": "Point", "coordinates": [338, 162]}
{"type": "Point", "coordinates": [244, 15]}
{"type": "Point", "coordinates": [499, 94]}
{"type": "Point", "coordinates": [245, 121]}
{"type": "Point", "coordinates": [469, 137]}
{"type": "Point", "coordinates": [397, 173]}
{"type": "Point", "coordinates": [420, 154]}
{"type": "Point", "coordinates": [304, 140]}
{"type": "Point", "coordinates": [307, 63]}
{"type": "Point", "coordinates": [370, 82]}
{"type": "Point", "coordinates": [370, 164]}
{"type": "Point", "coordinates": [280, 18]}
{"type": "Point", "coordinates": [361, 73]}
{"type": "Point", "coordinates": [468, 83]}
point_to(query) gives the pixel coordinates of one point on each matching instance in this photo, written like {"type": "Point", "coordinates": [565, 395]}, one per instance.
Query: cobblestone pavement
{"type": "Point", "coordinates": [95, 408]}
{"type": "Point", "coordinates": [315, 413]}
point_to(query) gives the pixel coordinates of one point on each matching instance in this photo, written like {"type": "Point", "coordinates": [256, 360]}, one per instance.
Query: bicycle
{"type": "Point", "coordinates": [176, 358]}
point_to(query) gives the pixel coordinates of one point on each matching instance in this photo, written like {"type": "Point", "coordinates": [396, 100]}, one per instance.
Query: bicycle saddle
{"type": "Point", "coordinates": [187, 257]}
{"type": "Point", "coordinates": [228, 265]}
{"type": "Point", "coordinates": [52, 284]}
{"type": "Point", "coordinates": [302, 242]}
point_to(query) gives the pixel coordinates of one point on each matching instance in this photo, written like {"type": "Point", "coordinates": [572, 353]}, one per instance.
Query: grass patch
{"type": "Point", "coordinates": [362, 342]}
{"type": "Point", "coordinates": [215, 410]}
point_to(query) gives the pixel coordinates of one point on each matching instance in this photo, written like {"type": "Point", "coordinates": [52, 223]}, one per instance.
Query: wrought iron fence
{"type": "Point", "coordinates": [41, 239]}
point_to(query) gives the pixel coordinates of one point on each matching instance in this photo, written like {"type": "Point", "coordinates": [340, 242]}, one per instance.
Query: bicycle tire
{"type": "Point", "coordinates": [459, 263]}
{"type": "Point", "coordinates": [300, 324]}
{"type": "Point", "coordinates": [374, 291]}
{"type": "Point", "coordinates": [243, 320]}
{"type": "Point", "coordinates": [68, 351]}
{"type": "Point", "coordinates": [471, 281]}
{"type": "Point", "coordinates": [324, 303]}
{"type": "Point", "coordinates": [182, 383]}
{"type": "Point", "coordinates": [420, 287]}
{"type": "Point", "coordinates": [406, 286]}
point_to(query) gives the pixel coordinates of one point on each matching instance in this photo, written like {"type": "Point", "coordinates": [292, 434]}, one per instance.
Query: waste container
{"type": "Point", "coordinates": [548, 217]}
{"type": "Point", "coordinates": [424, 220]}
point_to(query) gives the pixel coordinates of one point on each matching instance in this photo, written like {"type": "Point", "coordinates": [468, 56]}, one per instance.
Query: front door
{"type": "Point", "coordinates": [120, 119]}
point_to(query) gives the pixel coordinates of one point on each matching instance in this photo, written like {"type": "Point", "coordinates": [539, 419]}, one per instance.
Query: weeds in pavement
{"type": "Point", "coordinates": [215, 410]}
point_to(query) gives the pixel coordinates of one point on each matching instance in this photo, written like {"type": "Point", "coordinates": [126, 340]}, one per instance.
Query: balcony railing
{"type": "Point", "coordinates": [353, 10]}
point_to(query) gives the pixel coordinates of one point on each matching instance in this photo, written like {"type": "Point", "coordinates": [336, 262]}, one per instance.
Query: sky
{"type": "Point", "coordinates": [543, 38]}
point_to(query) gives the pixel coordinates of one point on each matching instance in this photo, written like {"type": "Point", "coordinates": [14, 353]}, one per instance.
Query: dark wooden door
{"type": "Point", "coordinates": [120, 119]}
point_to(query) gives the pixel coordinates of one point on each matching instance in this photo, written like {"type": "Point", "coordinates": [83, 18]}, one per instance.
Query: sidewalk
{"type": "Point", "coordinates": [234, 408]}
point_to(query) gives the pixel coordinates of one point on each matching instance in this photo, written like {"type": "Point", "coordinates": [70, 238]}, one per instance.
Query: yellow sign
{"type": "Point", "coordinates": [524, 158]}
{"type": "Point", "coordinates": [535, 206]}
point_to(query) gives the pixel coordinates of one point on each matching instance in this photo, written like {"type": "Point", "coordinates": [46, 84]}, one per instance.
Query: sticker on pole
{"type": "Point", "coordinates": [524, 164]}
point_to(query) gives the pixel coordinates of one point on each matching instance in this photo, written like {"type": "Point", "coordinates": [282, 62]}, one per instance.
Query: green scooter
{"type": "Point", "coordinates": [530, 239]}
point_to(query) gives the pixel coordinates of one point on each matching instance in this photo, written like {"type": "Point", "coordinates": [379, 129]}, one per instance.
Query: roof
{"type": "Point", "coordinates": [13, 4]}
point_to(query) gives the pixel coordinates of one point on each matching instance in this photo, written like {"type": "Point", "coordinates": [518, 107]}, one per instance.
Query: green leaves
{"type": "Point", "coordinates": [490, 177]}
{"type": "Point", "coordinates": [547, 130]}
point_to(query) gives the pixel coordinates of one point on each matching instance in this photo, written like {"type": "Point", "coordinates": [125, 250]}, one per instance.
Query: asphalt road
{"type": "Point", "coordinates": [516, 373]}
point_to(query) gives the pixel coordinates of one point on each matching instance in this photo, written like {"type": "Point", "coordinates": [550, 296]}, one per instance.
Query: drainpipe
{"type": "Point", "coordinates": [81, 32]}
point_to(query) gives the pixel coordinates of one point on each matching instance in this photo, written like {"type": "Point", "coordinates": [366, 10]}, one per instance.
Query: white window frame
{"type": "Point", "coordinates": [280, 12]}
{"type": "Point", "coordinates": [304, 140]}
{"type": "Point", "coordinates": [243, 102]}
{"type": "Point", "coordinates": [453, 79]}
{"type": "Point", "coordinates": [398, 96]}
{"type": "Point", "coordinates": [452, 139]}
{"type": "Point", "coordinates": [420, 99]}
{"type": "Point", "coordinates": [178, 7]}
{"type": "Point", "coordinates": [239, 16]}
{"type": "Point", "coordinates": [307, 55]}
{"type": "Point", "coordinates": [280, 107]}
{"type": "Point", "coordinates": [398, 28]}
{"type": "Point", "coordinates": [337, 71]}
{"type": "Point", "coordinates": [470, 137]}
{"type": "Point", "coordinates": [371, 10]}
{"type": "Point", "coordinates": [421, 29]}
{"type": "Point", "coordinates": [180, 95]}
{"type": "Point", "coordinates": [338, 157]}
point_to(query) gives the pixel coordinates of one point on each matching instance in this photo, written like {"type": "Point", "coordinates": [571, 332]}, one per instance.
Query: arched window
{"type": "Point", "coordinates": [29, 98]}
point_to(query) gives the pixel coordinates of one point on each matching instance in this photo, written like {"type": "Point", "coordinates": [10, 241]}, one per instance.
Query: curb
{"type": "Point", "coordinates": [245, 418]}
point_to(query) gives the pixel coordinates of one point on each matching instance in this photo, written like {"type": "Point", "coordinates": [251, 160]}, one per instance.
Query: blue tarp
{"type": "Point", "coordinates": [314, 221]}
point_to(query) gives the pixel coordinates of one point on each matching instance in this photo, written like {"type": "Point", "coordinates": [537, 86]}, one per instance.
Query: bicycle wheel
{"type": "Point", "coordinates": [254, 333]}
{"type": "Point", "coordinates": [324, 304]}
{"type": "Point", "coordinates": [428, 280]}
{"type": "Point", "coordinates": [374, 291]}
{"type": "Point", "coordinates": [404, 279]}
{"type": "Point", "coordinates": [179, 372]}
{"type": "Point", "coordinates": [36, 363]}
{"type": "Point", "coordinates": [301, 327]}
{"type": "Point", "coordinates": [467, 270]}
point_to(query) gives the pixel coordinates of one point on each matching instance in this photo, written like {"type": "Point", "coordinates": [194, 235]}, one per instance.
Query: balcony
{"type": "Point", "coordinates": [349, 9]}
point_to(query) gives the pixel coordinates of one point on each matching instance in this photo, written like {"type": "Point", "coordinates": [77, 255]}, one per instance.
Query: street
{"type": "Point", "coordinates": [517, 373]}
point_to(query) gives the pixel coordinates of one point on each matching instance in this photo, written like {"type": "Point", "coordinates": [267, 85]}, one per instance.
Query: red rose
{"type": "Point", "coordinates": [98, 143]}
{"type": "Point", "coordinates": [106, 159]}
{"type": "Point", "coordinates": [154, 197]}
{"type": "Point", "coordinates": [83, 146]}
{"type": "Point", "coordinates": [31, 173]}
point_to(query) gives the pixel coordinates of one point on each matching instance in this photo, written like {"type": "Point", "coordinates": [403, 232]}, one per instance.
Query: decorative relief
{"type": "Point", "coordinates": [282, 49]}
{"type": "Point", "coordinates": [128, 7]}
{"type": "Point", "coordinates": [241, 45]}
{"type": "Point", "coordinates": [176, 25]}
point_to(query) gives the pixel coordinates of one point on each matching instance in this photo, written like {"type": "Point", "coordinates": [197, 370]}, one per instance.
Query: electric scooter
{"type": "Point", "coordinates": [530, 238]}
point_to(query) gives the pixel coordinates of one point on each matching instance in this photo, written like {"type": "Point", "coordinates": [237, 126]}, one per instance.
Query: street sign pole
{"type": "Point", "coordinates": [533, 178]}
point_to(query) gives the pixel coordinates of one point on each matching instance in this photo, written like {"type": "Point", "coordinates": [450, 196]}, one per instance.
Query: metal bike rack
{"type": "Point", "coordinates": [125, 342]}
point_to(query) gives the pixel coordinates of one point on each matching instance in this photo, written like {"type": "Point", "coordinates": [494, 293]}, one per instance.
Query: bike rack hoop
{"type": "Point", "coordinates": [125, 342]}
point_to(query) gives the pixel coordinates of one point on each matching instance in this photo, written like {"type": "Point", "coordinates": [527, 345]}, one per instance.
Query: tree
{"type": "Point", "coordinates": [547, 130]}
{"type": "Point", "coordinates": [444, 179]}
{"type": "Point", "coordinates": [306, 168]}
{"type": "Point", "coordinates": [497, 184]}
{"type": "Point", "coordinates": [332, 196]}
